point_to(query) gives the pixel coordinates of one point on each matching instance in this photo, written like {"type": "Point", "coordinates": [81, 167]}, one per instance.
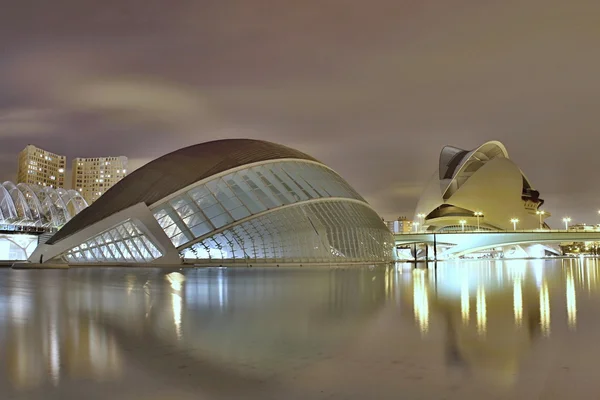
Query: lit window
{"type": "Point", "coordinates": [61, 170]}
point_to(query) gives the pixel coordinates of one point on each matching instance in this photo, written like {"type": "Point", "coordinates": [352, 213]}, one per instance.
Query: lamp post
{"type": "Point", "coordinates": [478, 214]}
{"type": "Point", "coordinates": [541, 213]}
{"type": "Point", "coordinates": [514, 221]}
{"type": "Point", "coordinates": [566, 220]}
{"type": "Point", "coordinates": [421, 219]}
{"type": "Point", "coordinates": [416, 225]}
{"type": "Point", "coordinates": [462, 223]}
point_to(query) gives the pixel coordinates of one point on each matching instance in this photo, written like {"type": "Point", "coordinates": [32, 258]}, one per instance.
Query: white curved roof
{"type": "Point", "coordinates": [33, 205]}
{"type": "Point", "coordinates": [460, 164]}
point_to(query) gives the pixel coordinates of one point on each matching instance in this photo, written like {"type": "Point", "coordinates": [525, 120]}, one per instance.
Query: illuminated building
{"type": "Point", "coordinates": [226, 202]}
{"type": "Point", "coordinates": [41, 167]}
{"type": "Point", "coordinates": [401, 225]}
{"type": "Point", "coordinates": [94, 176]}
{"type": "Point", "coordinates": [481, 189]}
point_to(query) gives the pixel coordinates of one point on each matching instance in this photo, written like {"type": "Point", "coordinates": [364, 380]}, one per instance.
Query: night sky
{"type": "Point", "coordinates": [372, 88]}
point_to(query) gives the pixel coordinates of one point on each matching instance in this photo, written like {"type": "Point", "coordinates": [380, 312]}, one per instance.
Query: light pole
{"type": "Point", "coordinates": [421, 219]}
{"type": "Point", "coordinates": [416, 225]}
{"type": "Point", "coordinates": [462, 223]}
{"type": "Point", "coordinates": [566, 220]}
{"type": "Point", "coordinates": [478, 214]}
{"type": "Point", "coordinates": [541, 213]}
{"type": "Point", "coordinates": [514, 221]}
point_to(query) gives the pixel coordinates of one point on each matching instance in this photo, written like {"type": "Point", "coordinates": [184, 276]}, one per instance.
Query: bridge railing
{"type": "Point", "coordinates": [501, 231]}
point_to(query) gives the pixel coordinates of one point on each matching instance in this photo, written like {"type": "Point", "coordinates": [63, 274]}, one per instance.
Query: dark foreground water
{"type": "Point", "coordinates": [493, 330]}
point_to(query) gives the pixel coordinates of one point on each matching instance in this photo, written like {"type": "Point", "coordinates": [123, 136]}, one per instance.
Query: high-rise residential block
{"type": "Point", "coordinates": [41, 167]}
{"type": "Point", "coordinates": [401, 225]}
{"type": "Point", "coordinates": [94, 176]}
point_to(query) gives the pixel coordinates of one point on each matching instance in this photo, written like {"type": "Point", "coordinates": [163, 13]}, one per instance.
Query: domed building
{"type": "Point", "coordinates": [226, 202]}
{"type": "Point", "coordinates": [479, 189]}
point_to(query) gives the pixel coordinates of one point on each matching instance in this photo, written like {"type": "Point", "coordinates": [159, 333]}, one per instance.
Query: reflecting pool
{"type": "Point", "coordinates": [464, 330]}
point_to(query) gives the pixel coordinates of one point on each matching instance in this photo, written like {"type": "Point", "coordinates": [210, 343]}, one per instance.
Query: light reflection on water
{"type": "Point", "coordinates": [264, 333]}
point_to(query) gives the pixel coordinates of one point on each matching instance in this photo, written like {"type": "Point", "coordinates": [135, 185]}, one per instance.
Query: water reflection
{"type": "Point", "coordinates": [515, 302]}
{"type": "Point", "coordinates": [231, 332]}
{"type": "Point", "coordinates": [82, 324]}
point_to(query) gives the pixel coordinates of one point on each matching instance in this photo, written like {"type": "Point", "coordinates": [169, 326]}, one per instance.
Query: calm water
{"type": "Point", "coordinates": [497, 330]}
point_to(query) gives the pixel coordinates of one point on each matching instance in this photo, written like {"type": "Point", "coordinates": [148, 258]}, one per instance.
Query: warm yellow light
{"type": "Point", "coordinates": [571, 301]}
{"type": "Point", "coordinates": [518, 301]}
{"type": "Point", "coordinates": [545, 309]}
{"type": "Point", "coordinates": [465, 302]}
{"type": "Point", "coordinates": [421, 301]}
{"type": "Point", "coordinates": [481, 310]}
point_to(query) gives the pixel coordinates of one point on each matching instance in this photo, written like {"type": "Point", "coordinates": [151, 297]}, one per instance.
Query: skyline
{"type": "Point", "coordinates": [376, 104]}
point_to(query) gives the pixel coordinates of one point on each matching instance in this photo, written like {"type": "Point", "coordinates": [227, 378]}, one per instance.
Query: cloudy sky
{"type": "Point", "coordinates": [372, 88]}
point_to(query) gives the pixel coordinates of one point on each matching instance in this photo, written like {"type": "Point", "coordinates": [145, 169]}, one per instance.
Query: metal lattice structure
{"type": "Point", "coordinates": [227, 202]}
{"type": "Point", "coordinates": [40, 206]}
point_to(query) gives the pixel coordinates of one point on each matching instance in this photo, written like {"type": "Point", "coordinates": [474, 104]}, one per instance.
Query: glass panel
{"type": "Point", "coordinates": [178, 240]}
{"type": "Point", "coordinates": [239, 213]}
{"type": "Point", "coordinates": [198, 192]}
{"type": "Point", "coordinates": [201, 229]}
{"type": "Point", "coordinates": [221, 220]}
{"type": "Point", "coordinates": [213, 211]}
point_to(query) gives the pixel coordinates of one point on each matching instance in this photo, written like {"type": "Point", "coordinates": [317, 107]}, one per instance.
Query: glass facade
{"type": "Point", "coordinates": [123, 243]}
{"type": "Point", "coordinates": [326, 231]}
{"type": "Point", "coordinates": [319, 229]}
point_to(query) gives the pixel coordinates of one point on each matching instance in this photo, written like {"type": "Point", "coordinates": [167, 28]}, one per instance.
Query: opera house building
{"type": "Point", "coordinates": [479, 189]}
{"type": "Point", "coordinates": [225, 202]}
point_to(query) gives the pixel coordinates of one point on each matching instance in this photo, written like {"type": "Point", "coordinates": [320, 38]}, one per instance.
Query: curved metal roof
{"type": "Point", "coordinates": [33, 205]}
{"type": "Point", "coordinates": [175, 171]}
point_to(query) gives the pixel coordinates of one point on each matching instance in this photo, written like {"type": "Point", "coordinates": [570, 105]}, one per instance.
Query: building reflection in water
{"type": "Point", "coordinates": [76, 329]}
{"type": "Point", "coordinates": [572, 299]}
{"type": "Point", "coordinates": [481, 311]}
{"type": "Point", "coordinates": [516, 302]}
{"type": "Point", "coordinates": [420, 300]}
{"type": "Point", "coordinates": [465, 302]}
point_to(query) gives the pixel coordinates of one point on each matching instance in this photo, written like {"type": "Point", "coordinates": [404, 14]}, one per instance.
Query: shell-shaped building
{"type": "Point", "coordinates": [39, 206]}
{"type": "Point", "coordinates": [479, 189]}
{"type": "Point", "coordinates": [226, 202]}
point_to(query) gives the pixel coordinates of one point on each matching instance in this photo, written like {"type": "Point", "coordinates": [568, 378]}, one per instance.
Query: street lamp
{"type": "Point", "coordinates": [566, 220]}
{"type": "Point", "coordinates": [514, 221]}
{"type": "Point", "coordinates": [421, 218]}
{"type": "Point", "coordinates": [541, 213]}
{"type": "Point", "coordinates": [478, 214]}
{"type": "Point", "coordinates": [416, 225]}
{"type": "Point", "coordinates": [462, 223]}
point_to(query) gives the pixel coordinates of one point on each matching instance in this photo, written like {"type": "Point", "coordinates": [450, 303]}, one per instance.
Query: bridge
{"type": "Point", "coordinates": [467, 242]}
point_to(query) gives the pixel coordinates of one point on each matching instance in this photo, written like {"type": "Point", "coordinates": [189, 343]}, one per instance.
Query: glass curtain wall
{"type": "Point", "coordinates": [241, 194]}
{"type": "Point", "coordinates": [327, 231]}
{"type": "Point", "coordinates": [123, 243]}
